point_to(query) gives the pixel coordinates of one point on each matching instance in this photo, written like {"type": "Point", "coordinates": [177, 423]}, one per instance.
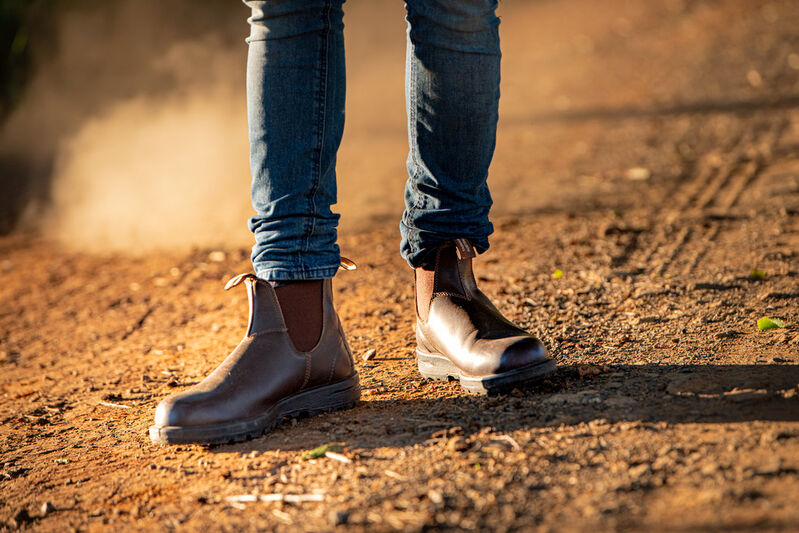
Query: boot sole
{"type": "Point", "coordinates": [438, 367]}
{"type": "Point", "coordinates": [334, 397]}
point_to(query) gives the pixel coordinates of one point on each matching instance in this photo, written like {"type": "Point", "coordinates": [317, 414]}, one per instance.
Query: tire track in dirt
{"type": "Point", "coordinates": [667, 235]}
{"type": "Point", "coordinates": [740, 173]}
{"type": "Point", "coordinates": [685, 228]}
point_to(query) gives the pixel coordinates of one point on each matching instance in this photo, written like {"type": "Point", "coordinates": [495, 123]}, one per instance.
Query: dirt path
{"type": "Point", "coordinates": [675, 176]}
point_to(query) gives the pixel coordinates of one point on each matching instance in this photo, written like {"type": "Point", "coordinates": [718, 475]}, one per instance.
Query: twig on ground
{"type": "Point", "coordinates": [288, 498]}
{"type": "Point", "coordinates": [510, 440]}
{"type": "Point", "coordinates": [338, 457]}
{"type": "Point", "coordinates": [109, 404]}
{"type": "Point", "coordinates": [139, 323]}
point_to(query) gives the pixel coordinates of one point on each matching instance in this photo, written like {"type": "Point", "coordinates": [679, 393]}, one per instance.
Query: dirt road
{"type": "Point", "coordinates": [648, 152]}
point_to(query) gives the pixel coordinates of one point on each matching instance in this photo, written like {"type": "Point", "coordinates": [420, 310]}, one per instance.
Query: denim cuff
{"type": "Point", "coordinates": [418, 246]}
{"type": "Point", "coordinates": [268, 272]}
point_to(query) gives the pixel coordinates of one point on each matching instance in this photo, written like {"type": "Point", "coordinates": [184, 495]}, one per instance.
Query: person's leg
{"type": "Point", "coordinates": [294, 358]}
{"type": "Point", "coordinates": [295, 104]}
{"type": "Point", "coordinates": [452, 97]}
{"type": "Point", "coordinates": [452, 85]}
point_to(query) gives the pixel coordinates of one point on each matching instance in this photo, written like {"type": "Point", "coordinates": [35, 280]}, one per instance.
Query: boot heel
{"type": "Point", "coordinates": [334, 397]}
{"type": "Point", "coordinates": [435, 367]}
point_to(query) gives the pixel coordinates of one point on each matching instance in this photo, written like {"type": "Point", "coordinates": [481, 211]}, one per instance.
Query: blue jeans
{"type": "Point", "coordinates": [295, 100]}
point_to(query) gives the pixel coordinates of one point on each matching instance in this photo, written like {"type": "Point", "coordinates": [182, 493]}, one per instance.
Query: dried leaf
{"type": "Point", "coordinates": [316, 453]}
{"type": "Point", "coordinates": [769, 323]}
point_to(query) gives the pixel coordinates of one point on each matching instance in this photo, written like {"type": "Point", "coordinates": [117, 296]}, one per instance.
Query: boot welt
{"type": "Point", "coordinates": [343, 394]}
{"type": "Point", "coordinates": [438, 367]}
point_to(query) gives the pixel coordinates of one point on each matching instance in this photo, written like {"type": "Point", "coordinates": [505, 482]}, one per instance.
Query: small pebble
{"type": "Point", "coordinates": [639, 471]}
{"type": "Point", "coordinates": [638, 174]}
{"type": "Point", "coordinates": [754, 78]}
{"type": "Point", "coordinates": [47, 508]}
{"type": "Point", "coordinates": [369, 355]}
{"type": "Point", "coordinates": [436, 497]}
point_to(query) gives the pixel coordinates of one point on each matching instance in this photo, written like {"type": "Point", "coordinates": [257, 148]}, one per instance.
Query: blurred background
{"type": "Point", "coordinates": [123, 122]}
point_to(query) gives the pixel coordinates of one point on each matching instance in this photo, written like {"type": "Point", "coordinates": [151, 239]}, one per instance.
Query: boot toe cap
{"type": "Point", "coordinates": [522, 352]}
{"type": "Point", "coordinates": [174, 411]}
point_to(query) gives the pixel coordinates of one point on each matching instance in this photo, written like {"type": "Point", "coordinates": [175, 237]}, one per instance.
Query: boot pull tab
{"type": "Point", "coordinates": [464, 249]}
{"type": "Point", "coordinates": [347, 264]}
{"type": "Point", "coordinates": [238, 279]}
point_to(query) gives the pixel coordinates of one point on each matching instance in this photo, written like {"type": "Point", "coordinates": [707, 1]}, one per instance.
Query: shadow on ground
{"type": "Point", "coordinates": [671, 394]}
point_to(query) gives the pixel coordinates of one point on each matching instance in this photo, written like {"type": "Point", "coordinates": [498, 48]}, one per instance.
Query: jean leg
{"type": "Point", "coordinates": [295, 108]}
{"type": "Point", "coordinates": [452, 97]}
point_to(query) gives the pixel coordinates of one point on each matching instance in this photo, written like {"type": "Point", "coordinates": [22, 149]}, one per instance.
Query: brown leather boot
{"type": "Point", "coordinates": [461, 335]}
{"type": "Point", "coordinates": [263, 380]}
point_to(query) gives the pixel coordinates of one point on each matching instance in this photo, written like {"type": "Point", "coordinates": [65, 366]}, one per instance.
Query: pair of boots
{"type": "Point", "coordinates": [459, 334]}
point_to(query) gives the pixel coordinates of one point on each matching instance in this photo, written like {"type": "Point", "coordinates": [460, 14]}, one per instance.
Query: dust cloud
{"type": "Point", "coordinates": [132, 135]}
{"type": "Point", "coordinates": [163, 164]}
{"type": "Point", "coordinates": [164, 172]}
{"type": "Point", "coordinates": [155, 173]}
